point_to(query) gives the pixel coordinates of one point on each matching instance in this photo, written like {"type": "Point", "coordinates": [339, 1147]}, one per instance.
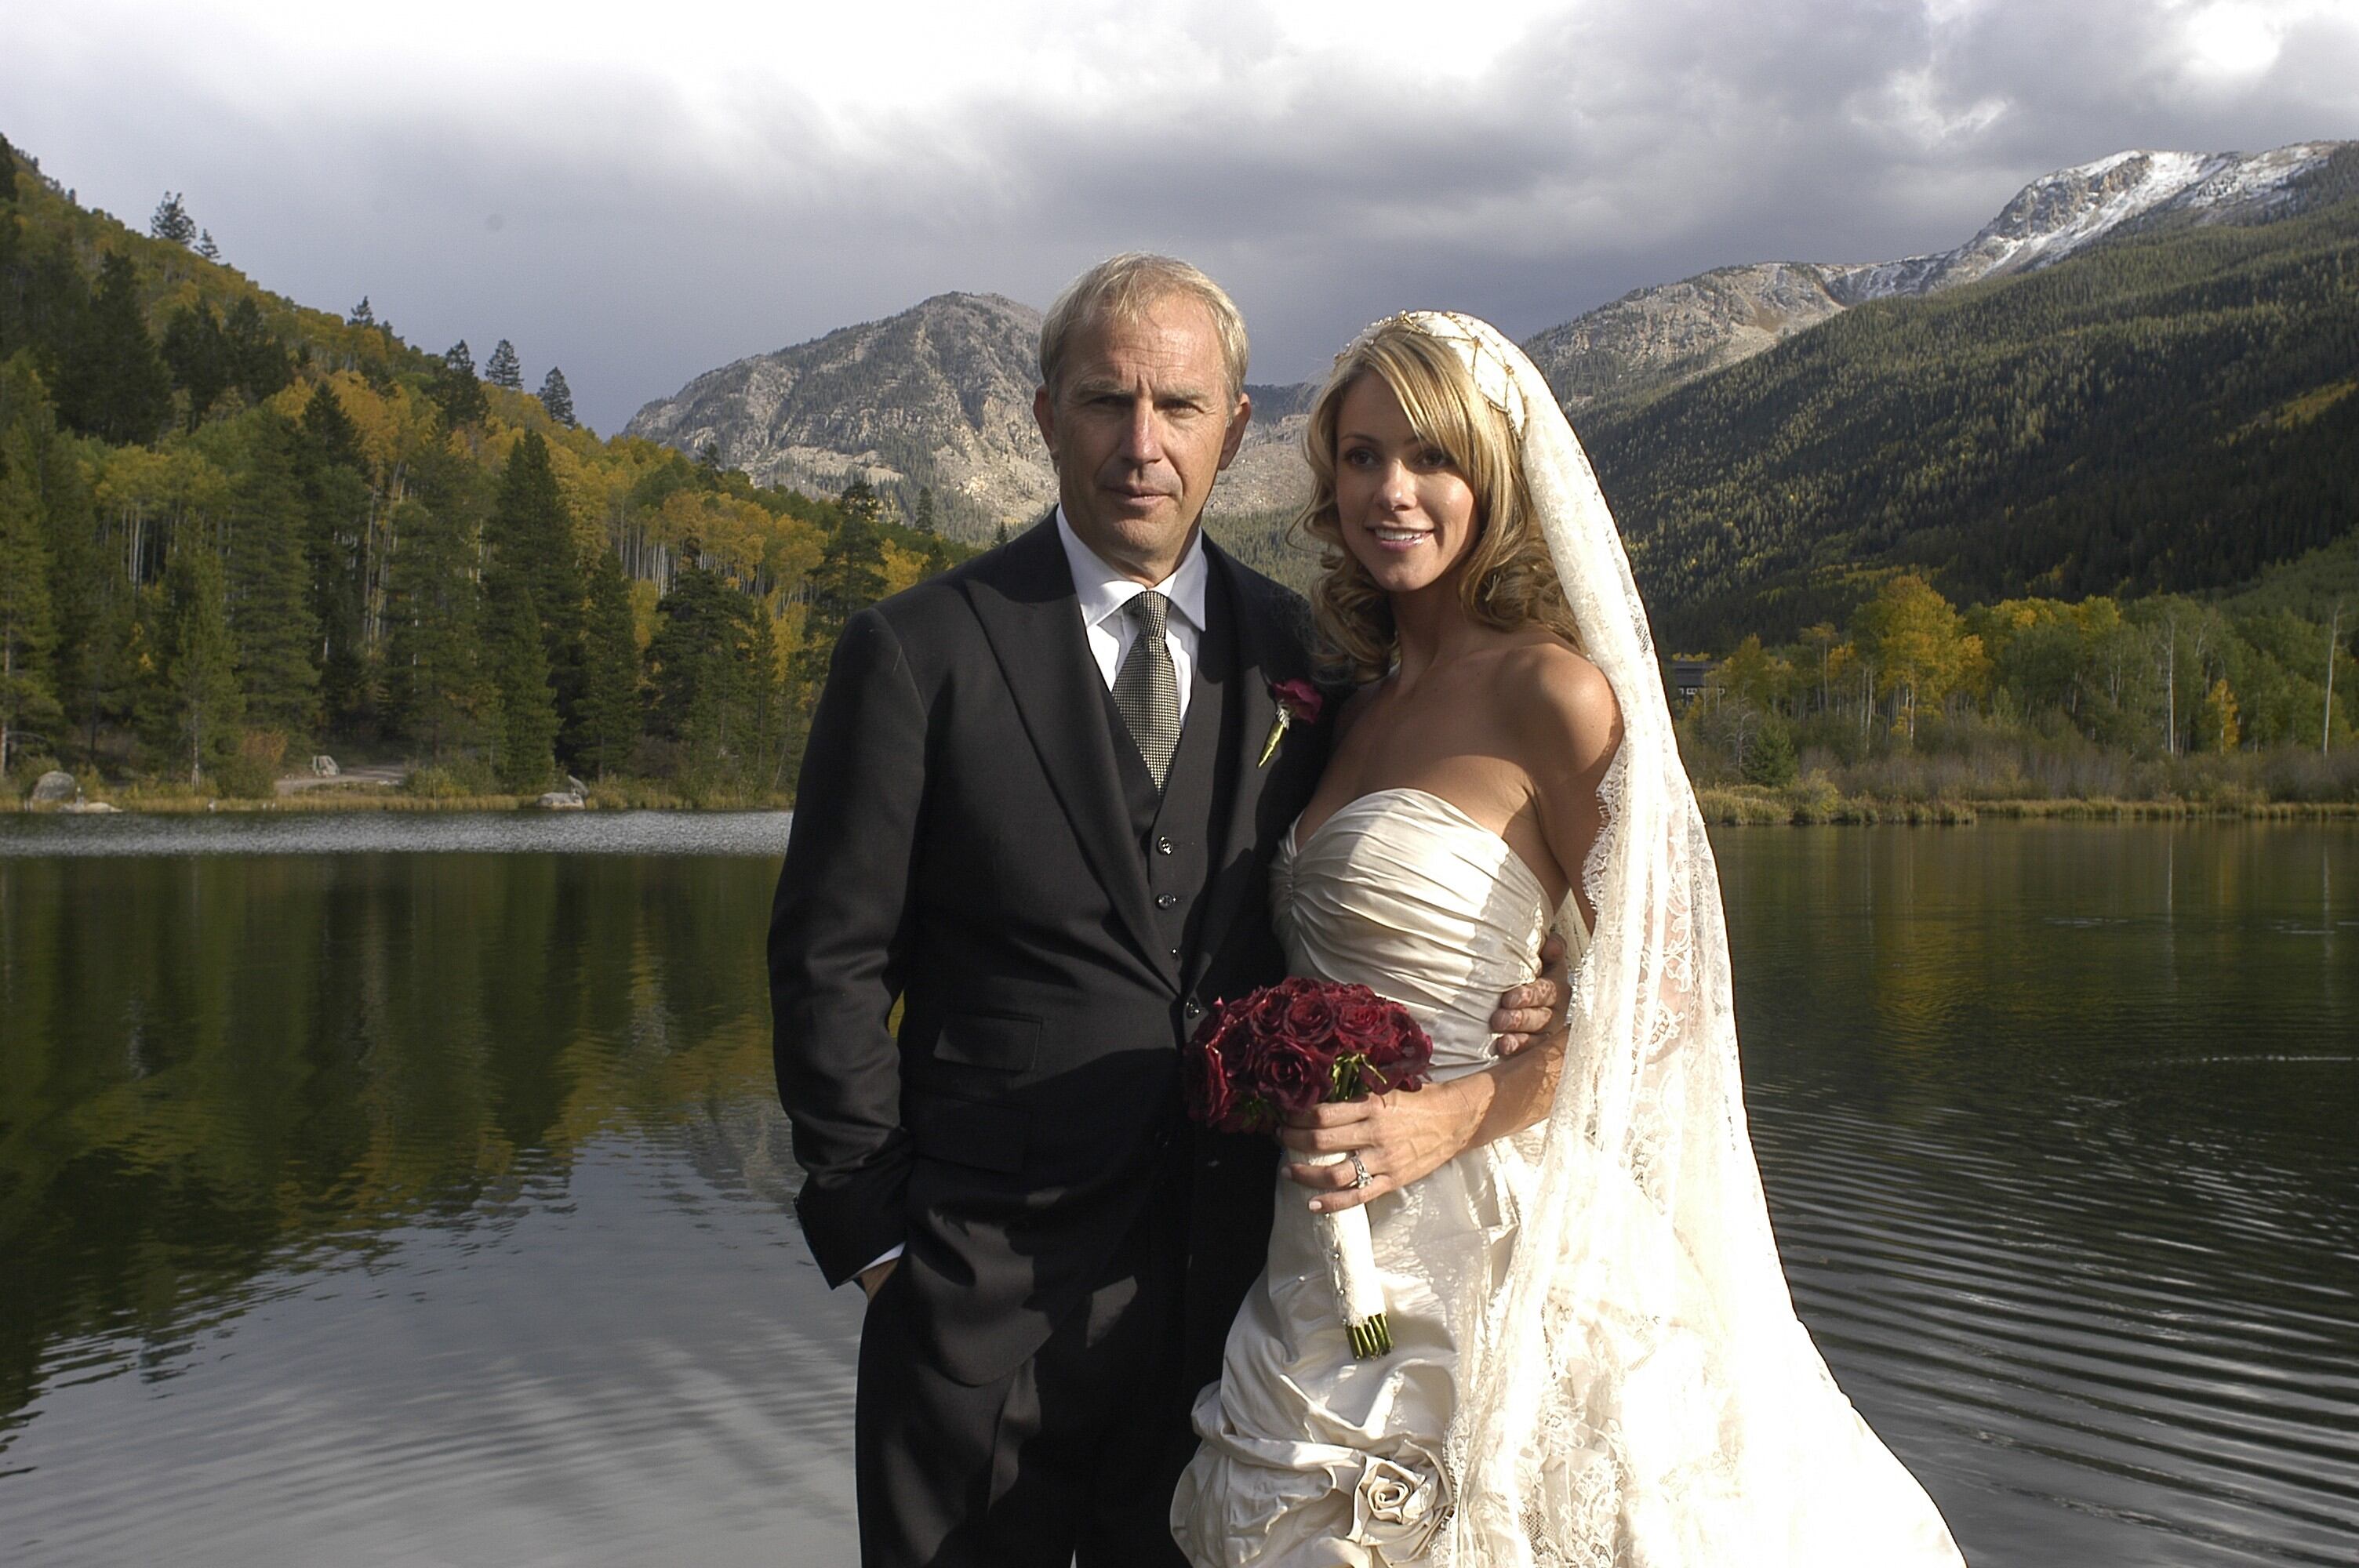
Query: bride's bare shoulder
{"type": "Point", "coordinates": [1559, 705]}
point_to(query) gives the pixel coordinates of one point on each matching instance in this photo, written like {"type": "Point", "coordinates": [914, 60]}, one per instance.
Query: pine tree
{"type": "Point", "coordinates": [85, 599]}
{"type": "Point", "coordinates": [850, 578]}
{"type": "Point", "coordinates": [270, 617]}
{"type": "Point", "coordinates": [27, 697]}
{"type": "Point", "coordinates": [528, 707]}
{"type": "Point", "coordinates": [258, 362]}
{"type": "Point", "coordinates": [172, 222]}
{"type": "Point", "coordinates": [530, 540]}
{"type": "Point", "coordinates": [112, 384]}
{"type": "Point", "coordinates": [503, 368]}
{"type": "Point", "coordinates": [206, 248]}
{"type": "Point", "coordinates": [861, 502]}
{"type": "Point", "coordinates": [336, 504]}
{"type": "Point", "coordinates": [610, 694]}
{"type": "Point", "coordinates": [709, 669]}
{"type": "Point", "coordinates": [436, 688]}
{"type": "Point", "coordinates": [455, 389]}
{"type": "Point", "coordinates": [192, 710]}
{"type": "Point", "coordinates": [558, 398]}
{"type": "Point", "coordinates": [924, 521]}
{"type": "Point", "coordinates": [198, 357]}
{"type": "Point", "coordinates": [361, 315]}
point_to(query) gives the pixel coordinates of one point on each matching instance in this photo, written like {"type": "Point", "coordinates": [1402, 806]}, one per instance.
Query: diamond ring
{"type": "Point", "coordinates": [1359, 1171]}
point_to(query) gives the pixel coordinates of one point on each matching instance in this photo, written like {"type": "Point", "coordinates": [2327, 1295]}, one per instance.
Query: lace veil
{"type": "Point", "coordinates": [1642, 1395]}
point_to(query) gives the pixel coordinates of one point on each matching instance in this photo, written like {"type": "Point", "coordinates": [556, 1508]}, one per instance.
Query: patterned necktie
{"type": "Point", "coordinates": [1147, 687]}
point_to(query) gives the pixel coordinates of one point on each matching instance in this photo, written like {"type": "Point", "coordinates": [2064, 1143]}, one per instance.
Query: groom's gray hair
{"type": "Point", "coordinates": [1121, 289]}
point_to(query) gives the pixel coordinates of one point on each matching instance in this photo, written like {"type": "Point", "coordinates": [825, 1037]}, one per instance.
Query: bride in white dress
{"type": "Point", "coordinates": [1595, 1360]}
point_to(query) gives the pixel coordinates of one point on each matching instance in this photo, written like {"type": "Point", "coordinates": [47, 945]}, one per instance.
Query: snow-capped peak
{"type": "Point", "coordinates": [2063, 212]}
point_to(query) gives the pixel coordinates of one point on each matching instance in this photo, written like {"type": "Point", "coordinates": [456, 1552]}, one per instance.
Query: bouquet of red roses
{"type": "Point", "coordinates": [1285, 1048]}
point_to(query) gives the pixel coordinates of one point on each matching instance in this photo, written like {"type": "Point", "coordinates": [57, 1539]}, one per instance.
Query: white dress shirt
{"type": "Point", "coordinates": [1103, 592]}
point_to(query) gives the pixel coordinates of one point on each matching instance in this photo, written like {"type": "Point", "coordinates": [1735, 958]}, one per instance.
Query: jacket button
{"type": "Point", "coordinates": [1165, 899]}
{"type": "Point", "coordinates": [1175, 952]}
{"type": "Point", "coordinates": [1163, 846]}
{"type": "Point", "coordinates": [1195, 1008]}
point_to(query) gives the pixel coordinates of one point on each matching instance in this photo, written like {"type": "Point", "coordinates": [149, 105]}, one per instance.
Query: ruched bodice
{"type": "Point", "coordinates": [1311, 1459]}
{"type": "Point", "coordinates": [1403, 893]}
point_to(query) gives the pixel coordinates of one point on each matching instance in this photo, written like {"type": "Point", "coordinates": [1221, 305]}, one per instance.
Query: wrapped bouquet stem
{"type": "Point", "coordinates": [1286, 1048]}
{"type": "Point", "coordinates": [1351, 1264]}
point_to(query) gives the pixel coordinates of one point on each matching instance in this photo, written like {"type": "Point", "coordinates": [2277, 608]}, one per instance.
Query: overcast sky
{"type": "Point", "coordinates": [642, 192]}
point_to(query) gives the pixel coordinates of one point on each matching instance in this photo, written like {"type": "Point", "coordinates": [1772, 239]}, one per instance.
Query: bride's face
{"type": "Point", "coordinates": [1406, 513]}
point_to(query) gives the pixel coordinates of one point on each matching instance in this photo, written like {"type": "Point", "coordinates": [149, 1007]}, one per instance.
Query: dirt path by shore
{"type": "Point", "coordinates": [386, 775]}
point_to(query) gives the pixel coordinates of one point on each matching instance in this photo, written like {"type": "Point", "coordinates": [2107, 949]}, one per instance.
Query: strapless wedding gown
{"type": "Point", "coordinates": [1309, 1458]}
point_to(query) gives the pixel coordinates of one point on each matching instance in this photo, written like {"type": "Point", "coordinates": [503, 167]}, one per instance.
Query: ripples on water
{"type": "Point", "coordinates": [371, 1198]}
{"type": "Point", "coordinates": [2058, 1128]}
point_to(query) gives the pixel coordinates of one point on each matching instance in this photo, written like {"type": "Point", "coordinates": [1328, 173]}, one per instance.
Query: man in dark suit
{"type": "Point", "coordinates": [1033, 813]}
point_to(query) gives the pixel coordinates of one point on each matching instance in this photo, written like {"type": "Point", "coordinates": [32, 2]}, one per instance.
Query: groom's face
{"type": "Point", "coordinates": [1141, 422]}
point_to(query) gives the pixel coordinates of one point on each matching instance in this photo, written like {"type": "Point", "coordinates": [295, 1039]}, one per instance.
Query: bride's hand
{"type": "Point", "coordinates": [1399, 1137]}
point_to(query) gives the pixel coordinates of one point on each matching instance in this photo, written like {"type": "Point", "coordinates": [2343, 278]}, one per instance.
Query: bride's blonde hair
{"type": "Point", "coordinates": [1509, 580]}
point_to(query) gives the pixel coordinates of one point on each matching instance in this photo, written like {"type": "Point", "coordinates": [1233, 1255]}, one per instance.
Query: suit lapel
{"type": "Point", "coordinates": [1250, 707]}
{"type": "Point", "coordinates": [1029, 612]}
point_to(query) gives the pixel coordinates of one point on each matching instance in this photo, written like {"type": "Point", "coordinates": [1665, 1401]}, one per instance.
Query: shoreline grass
{"type": "Point", "coordinates": [1817, 803]}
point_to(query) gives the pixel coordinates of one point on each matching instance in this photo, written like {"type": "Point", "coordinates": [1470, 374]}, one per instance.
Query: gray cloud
{"type": "Point", "coordinates": [610, 220]}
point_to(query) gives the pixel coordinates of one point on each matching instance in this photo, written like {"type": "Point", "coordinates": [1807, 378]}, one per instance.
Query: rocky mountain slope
{"type": "Point", "coordinates": [940, 396]}
{"type": "Point", "coordinates": [937, 396]}
{"type": "Point", "coordinates": [1669, 334]}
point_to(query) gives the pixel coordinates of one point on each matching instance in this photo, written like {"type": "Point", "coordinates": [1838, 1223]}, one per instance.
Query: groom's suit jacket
{"type": "Point", "coordinates": [975, 837]}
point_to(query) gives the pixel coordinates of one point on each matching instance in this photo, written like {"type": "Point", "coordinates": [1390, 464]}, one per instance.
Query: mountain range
{"type": "Point", "coordinates": [939, 395]}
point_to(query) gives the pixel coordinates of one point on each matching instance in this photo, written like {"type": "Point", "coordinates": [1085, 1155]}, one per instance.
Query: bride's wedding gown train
{"type": "Point", "coordinates": [1311, 1459]}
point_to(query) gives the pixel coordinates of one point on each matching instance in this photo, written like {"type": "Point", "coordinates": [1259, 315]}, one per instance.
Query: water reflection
{"type": "Point", "coordinates": [2056, 1123]}
{"type": "Point", "coordinates": [395, 1202]}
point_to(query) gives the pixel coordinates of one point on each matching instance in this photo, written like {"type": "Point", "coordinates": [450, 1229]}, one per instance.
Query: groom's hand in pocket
{"type": "Point", "coordinates": [1534, 1013]}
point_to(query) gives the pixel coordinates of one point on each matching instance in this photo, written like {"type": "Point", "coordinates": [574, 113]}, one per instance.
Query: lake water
{"type": "Point", "coordinates": [386, 1189]}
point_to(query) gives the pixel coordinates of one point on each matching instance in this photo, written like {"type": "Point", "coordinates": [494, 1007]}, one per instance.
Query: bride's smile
{"type": "Point", "coordinates": [1408, 515]}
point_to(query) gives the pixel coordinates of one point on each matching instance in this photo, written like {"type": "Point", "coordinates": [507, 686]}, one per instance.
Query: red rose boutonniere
{"type": "Point", "coordinates": [1296, 700]}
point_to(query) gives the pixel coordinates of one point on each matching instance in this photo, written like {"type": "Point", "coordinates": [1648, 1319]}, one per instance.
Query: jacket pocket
{"type": "Point", "coordinates": [1006, 1043]}
{"type": "Point", "coordinates": [968, 1132]}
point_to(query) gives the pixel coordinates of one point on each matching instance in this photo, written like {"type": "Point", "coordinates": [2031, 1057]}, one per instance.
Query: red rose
{"type": "Point", "coordinates": [1212, 1092]}
{"type": "Point", "coordinates": [1295, 1077]}
{"type": "Point", "coordinates": [1363, 1020]}
{"type": "Point", "coordinates": [1309, 1021]}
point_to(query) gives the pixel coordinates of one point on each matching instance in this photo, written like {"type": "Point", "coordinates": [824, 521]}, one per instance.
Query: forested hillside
{"type": "Point", "coordinates": [2167, 412]}
{"type": "Point", "coordinates": [235, 531]}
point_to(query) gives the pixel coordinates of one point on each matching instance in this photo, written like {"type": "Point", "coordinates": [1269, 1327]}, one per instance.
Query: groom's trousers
{"type": "Point", "coordinates": [1071, 1457]}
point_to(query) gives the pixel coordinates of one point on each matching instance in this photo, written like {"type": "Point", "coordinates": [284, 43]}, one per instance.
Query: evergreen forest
{"type": "Point", "coordinates": [2087, 533]}
{"type": "Point", "coordinates": [236, 535]}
